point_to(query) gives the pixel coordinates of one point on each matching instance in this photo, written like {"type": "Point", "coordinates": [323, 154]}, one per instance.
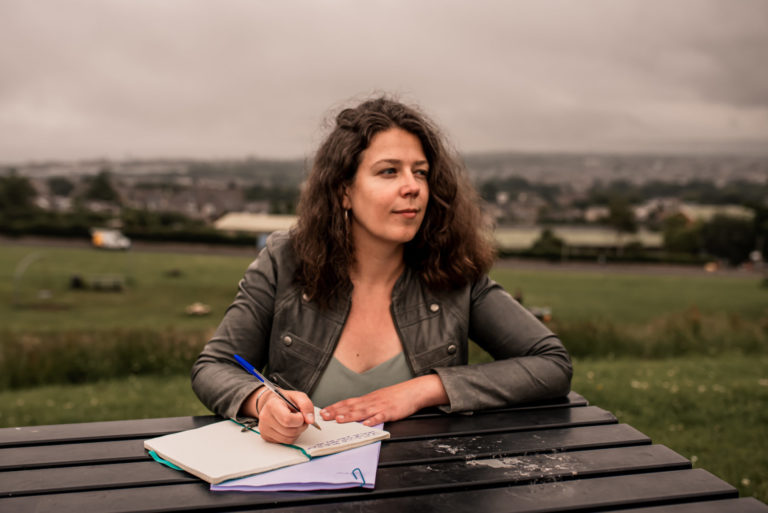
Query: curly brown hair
{"type": "Point", "coordinates": [451, 248]}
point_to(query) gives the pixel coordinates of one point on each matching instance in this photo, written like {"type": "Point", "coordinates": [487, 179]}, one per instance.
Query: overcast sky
{"type": "Point", "coordinates": [236, 78]}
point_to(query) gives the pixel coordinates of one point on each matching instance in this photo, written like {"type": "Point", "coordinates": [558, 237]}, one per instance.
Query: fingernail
{"type": "Point", "coordinates": [311, 418]}
{"type": "Point", "coordinates": [340, 417]}
{"type": "Point", "coordinates": [325, 414]}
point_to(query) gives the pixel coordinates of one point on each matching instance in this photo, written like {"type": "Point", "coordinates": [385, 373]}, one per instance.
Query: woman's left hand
{"type": "Point", "coordinates": [390, 403]}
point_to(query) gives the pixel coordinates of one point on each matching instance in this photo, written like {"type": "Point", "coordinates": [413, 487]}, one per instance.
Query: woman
{"type": "Point", "coordinates": [366, 306]}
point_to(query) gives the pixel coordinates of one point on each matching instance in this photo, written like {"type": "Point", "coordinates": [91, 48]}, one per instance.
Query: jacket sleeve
{"type": "Point", "coordinates": [217, 379]}
{"type": "Point", "coordinates": [530, 364]}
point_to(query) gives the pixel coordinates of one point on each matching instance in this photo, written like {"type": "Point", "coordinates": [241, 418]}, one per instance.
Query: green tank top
{"type": "Point", "coordinates": [339, 382]}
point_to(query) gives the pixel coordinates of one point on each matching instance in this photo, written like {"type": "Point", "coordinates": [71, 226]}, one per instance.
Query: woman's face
{"type": "Point", "coordinates": [389, 193]}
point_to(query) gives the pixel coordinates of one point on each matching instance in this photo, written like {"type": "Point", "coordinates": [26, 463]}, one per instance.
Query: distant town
{"type": "Point", "coordinates": [687, 208]}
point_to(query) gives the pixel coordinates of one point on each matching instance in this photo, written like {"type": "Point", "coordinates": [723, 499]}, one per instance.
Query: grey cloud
{"type": "Point", "coordinates": [198, 78]}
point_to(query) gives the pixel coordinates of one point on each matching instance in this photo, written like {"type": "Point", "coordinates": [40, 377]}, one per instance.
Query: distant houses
{"type": "Point", "coordinates": [707, 212]}
{"type": "Point", "coordinates": [576, 238]}
{"type": "Point", "coordinates": [257, 224]}
{"type": "Point", "coordinates": [508, 238]}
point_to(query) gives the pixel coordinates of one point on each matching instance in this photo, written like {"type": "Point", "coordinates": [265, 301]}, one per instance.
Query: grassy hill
{"type": "Point", "coordinates": [682, 358]}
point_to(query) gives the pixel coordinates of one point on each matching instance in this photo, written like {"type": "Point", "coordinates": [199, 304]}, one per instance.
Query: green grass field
{"type": "Point", "coordinates": [636, 299]}
{"type": "Point", "coordinates": [713, 411]}
{"type": "Point", "coordinates": [683, 359]}
{"type": "Point", "coordinates": [160, 285]}
{"type": "Point", "coordinates": [158, 288]}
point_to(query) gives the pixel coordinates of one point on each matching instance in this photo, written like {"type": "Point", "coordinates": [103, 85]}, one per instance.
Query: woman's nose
{"type": "Point", "coordinates": [410, 186]}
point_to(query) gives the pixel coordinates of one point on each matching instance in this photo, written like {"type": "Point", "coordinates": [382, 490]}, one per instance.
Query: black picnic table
{"type": "Point", "coordinates": [558, 455]}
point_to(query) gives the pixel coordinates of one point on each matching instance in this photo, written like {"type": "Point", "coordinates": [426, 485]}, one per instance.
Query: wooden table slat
{"type": "Point", "coordinates": [392, 480]}
{"type": "Point", "coordinates": [580, 495]}
{"type": "Point", "coordinates": [743, 505]}
{"type": "Point", "coordinates": [573, 399]}
{"type": "Point", "coordinates": [528, 468]}
{"type": "Point", "coordinates": [508, 444]}
{"type": "Point", "coordinates": [600, 492]}
{"type": "Point", "coordinates": [90, 477]}
{"type": "Point", "coordinates": [57, 455]}
{"type": "Point", "coordinates": [108, 430]}
{"type": "Point", "coordinates": [495, 422]}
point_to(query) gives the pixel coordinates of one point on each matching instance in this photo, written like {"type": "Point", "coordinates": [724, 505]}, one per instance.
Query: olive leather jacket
{"type": "Point", "coordinates": [273, 325]}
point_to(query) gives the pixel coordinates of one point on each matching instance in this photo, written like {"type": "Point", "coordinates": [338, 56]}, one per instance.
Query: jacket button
{"type": "Point", "coordinates": [452, 349]}
{"type": "Point", "coordinates": [434, 307]}
{"type": "Point", "coordinates": [287, 340]}
{"type": "Point", "coordinates": [305, 297]}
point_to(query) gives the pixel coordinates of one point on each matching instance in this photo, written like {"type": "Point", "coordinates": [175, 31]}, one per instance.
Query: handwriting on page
{"type": "Point", "coordinates": [343, 440]}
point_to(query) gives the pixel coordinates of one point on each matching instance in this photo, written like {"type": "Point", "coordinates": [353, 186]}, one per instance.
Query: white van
{"type": "Point", "coordinates": [106, 238]}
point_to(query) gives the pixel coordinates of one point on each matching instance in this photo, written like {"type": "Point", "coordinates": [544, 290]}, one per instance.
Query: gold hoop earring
{"type": "Point", "coordinates": [346, 215]}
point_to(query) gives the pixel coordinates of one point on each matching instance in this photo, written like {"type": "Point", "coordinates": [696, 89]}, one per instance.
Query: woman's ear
{"type": "Point", "coordinates": [345, 201]}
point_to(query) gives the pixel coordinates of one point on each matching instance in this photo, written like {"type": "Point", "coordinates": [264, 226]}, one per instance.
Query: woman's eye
{"type": "Point", "coordinates": [422, 172]}
{"type": "Point", "coordinates": [389, 171]}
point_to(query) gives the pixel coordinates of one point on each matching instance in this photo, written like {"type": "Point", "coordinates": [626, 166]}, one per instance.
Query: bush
{"type": "Point", "coordinates": [32, 359]}
{"type": "Point", "coordinates": [683, 333]}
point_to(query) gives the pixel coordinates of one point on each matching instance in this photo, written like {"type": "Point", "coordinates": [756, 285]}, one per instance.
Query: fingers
{"type": "Point", "coordinates": [337, 411]}
{"type": "Point", "coordinates": [389, 403]}
{"type": "Point", "coordinates": [304, 403]}
{"type": "Point", "coordinates": [357, 409]}
{"type": "Point", "coordinates": [379, 418]}
{"type": "Point", "coordinates": [276, 433]}
{"type": "Point", "coordinates": [278, 423]}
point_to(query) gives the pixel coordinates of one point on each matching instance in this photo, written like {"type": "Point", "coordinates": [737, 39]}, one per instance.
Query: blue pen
{"type": "Point", "coordinates": [270, 386]}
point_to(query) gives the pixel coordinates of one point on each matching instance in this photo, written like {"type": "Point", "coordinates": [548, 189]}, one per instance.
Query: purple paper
{"type": "Point", "coordinates": [346, 469]}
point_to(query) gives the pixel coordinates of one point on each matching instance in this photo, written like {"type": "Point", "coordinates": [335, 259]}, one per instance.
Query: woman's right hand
{"type": "Point", "coordinates": [278, 423]}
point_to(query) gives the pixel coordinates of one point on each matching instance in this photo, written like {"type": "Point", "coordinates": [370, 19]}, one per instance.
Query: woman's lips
{"type": "Point", "coordinates": [408, 213]}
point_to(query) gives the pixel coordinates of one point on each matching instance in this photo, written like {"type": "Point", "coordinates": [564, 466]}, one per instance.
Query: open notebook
{"type": "Point", "coordinates": [223, 451]}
